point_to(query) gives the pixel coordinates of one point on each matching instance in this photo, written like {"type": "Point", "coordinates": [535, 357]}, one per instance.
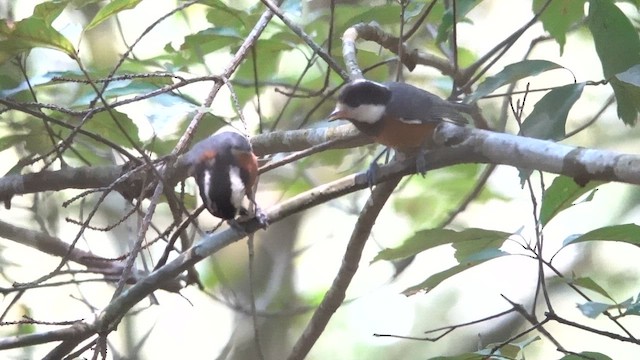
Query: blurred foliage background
{"type": "Point", "coordinates": [55, 56]}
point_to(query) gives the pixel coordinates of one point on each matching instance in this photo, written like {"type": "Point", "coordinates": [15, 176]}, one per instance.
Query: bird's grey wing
{"type": "Point", "coordinates": [417, 105]}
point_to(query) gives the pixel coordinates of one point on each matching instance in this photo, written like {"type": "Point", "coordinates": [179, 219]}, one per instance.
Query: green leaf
{"type": "Point", "coordinates": [549, 115]}
{"type": "Point", "coordinates": [589, 283]}
{"type": "Point", "coordinates": [561, 195]}
{"type": "Point", "coordinates": [586, 355]}
{"type": "Point", "coordinates": [592, 309]}
{"type": "Point", "coordinates": [210, 40]}
{"type": "Point", "coordinates": [419, 242]}
{"type": "Point", "coordinates": [634, 307]}
{"type": "Point", "coordinates": [50, 10]}
{"type": "Point", "coordinates": [12, 140]}
{"type": "Point", "coordinates": [449, 188]}
{"type": "Point", "coordinates": [26, 328]}
{"type": "Point", "coordinates": [105, 125]}
{"type": "Point", "coordinates": [559, 16]}
{"type": "Point", "coordinates": [628, 99]}
{"type": "Point", "coordinates": [38, 140]}
{"type": "Point", "coordinates": [626, 86]}
{"type": "Point", "coordinates": [618, 46]}
{"type": "Point", "coordinates": [383, 14]}
{"type": "Point", "coordinates": [109, 10]}
{"type": "Point", "coordinates": [462, 8]}
{"type": "Point", "coordinates": [224, 16]}
{"type": "Point", "coordinates": [526, 342]}
{"type": "Point", "coordinates": [467, 242]}
{"type": "Point", "coordinates": [29, 33]}
{"type": "Point", "coordinates": [511, 73]}
{"type": "Point", "coordinates": [629, 233]}
{"type": "Point", "coordinates": [161, 147]}
{"type": "Point", "coordinates": [478, 244]}
{"type": "Point", "coordinates": [435, 280]}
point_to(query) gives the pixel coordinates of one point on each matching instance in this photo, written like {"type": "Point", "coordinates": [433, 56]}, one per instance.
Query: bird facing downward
{"type": "Point", "coordinates": [225, 169]}
{"type": "Point", "coordinates": [398, 115]}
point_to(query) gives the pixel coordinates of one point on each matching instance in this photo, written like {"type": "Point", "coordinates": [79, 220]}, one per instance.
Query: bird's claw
{"type": "Point", "coordinates": [372, 174]}
{"type": "Point", "coordinates": [263, 219]}
{"type": "Point", "coordinates": [421, 163]}
{"type": "Point", "coordinates": [245, 216]}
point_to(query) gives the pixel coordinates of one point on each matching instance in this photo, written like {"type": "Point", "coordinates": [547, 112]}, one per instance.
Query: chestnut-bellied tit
{"type": "Point", "coordinates": [225, 169]}
{"type": "Point", "coordinates": [398, 115]}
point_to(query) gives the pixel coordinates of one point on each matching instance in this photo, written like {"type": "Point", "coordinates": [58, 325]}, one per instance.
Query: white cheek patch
{"type": "Point", "coordinates": [206, 189]}
{"type": "Point", "coordinates": [368, 113]}
{"type": "Point", "coordinates": [237, 187]}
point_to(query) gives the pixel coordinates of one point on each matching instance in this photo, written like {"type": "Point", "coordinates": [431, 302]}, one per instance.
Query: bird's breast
{"type": "Point", "coordinates": [406, 137]}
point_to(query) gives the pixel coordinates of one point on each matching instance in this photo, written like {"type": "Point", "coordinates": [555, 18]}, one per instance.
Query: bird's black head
{"type": "Point", "coordinates": [362, 102]}
{"type": "Point", "coordinates": [364, 92]}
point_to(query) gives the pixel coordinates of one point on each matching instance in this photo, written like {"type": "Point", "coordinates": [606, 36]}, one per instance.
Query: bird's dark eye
{"type": "Point", "coordinates": [363, 93]}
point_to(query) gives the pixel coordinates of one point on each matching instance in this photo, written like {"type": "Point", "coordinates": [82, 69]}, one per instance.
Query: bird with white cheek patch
{"type": "Point", "coordinates": [397, 115]}
{"type": "Point", "coordinates": [225, 169]}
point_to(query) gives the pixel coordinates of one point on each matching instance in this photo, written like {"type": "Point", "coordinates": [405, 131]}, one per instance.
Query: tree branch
{"type": "Point", "coordinates": [104, 176]}
{"type": "Point", "coordinates": [336, 293]}
{"type": "Point", "coordinates": [579, 163]}
{"type": "Point", "coordinates": [47, 244]}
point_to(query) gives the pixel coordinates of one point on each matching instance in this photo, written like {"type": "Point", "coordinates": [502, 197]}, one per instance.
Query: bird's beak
{"type": "Point", "coordinates": [337, 114]}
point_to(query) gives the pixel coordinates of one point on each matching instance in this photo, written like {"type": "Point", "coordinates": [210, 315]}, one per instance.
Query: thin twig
{"type": "Point", "coordinates": [252, 298]}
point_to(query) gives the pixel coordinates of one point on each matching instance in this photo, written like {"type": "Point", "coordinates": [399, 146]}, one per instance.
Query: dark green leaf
{"type": "Point", "coordinates": [549, 115]}
{"type": "Point", "coordinates": [618, 47]}
{"type": "Point", "coordinates": [109, 10]}
{"type": "Point", "coordinates": [510, 74]}
{"type": "Point", "coordinates": [561, 195]}
{"type": "Point", "coordinates": [559, 16]}
{"type": "Point", "coordinates": [592, 309]}
{"type": "Point", "coordinates": [462, 8]}
{"type": "Point", "coordinates": [626, 86]}
{"type": "Point", "coordinates": [629, 233]}
{"type": "Point", "coordinates": [628, 100]}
